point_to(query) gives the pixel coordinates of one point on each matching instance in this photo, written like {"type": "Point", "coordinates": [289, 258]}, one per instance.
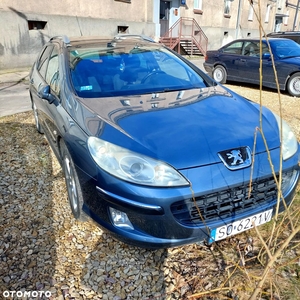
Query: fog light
{"type": "Point", "coordinates": [120, 219]}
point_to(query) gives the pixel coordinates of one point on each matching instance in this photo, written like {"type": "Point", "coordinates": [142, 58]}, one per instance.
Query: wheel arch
{"type": "Point", "coordinates": [290, 88]}
{"type": "Point", "coordinates": [220, 64]}
{"type": "Point", "coordinates": [60, 141]}
{"type": "Point", "coordinates": [288, 78]}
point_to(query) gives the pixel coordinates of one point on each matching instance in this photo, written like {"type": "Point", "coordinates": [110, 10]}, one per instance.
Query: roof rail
{"type": "Point", "coordinates": [133, 36]}
{"type": "Point", "coordinates": [64, 38]}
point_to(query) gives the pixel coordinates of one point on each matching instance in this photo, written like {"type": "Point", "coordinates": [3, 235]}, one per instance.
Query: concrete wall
{"type": "Point", "coordinates": [19, 45]}
{"type": "Point", "coordinates": [136, 11]}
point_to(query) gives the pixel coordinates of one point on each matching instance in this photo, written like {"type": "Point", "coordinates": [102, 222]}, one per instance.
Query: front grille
{"type": "Point", "coordinates": [226, 203]}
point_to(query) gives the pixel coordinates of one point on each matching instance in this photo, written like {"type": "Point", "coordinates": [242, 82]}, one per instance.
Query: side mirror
{"type": "Point", "coordinates": [266, 55]}
{"type": "Point", "coordinates": [45, 93]}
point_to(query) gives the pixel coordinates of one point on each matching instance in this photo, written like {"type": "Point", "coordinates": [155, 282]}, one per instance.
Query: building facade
{"type": "Point", "coordinates": [225, 20]}
{"type": "Point", "coordinates": [26, 26]}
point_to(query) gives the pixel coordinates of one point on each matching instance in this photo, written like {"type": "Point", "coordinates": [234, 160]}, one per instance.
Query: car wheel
{"type": "Point", "coordinates": [293, 85]}
{"type": "Point", "coordinates": [72, 184]}
{"type": "Point", "coordinates": [36, 118]}
{"type": "Point", "coordinates": [219, 74]}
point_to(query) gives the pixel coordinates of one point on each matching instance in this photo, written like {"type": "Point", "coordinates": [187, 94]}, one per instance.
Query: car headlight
{"type": "Point", "coordinates": [289, 141]}
{"type": "Point", "coordinates": [133, 167]}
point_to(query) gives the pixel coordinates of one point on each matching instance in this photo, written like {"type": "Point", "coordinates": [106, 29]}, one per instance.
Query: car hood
{"type": "Point", "coordinates": [185, 129]}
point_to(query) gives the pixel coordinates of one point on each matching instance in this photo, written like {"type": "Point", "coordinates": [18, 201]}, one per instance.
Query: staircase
{"type": "Point", "coordinates": [186, 37]}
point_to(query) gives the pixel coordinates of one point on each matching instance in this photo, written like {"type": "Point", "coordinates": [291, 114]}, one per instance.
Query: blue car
{"type": "Point", "coordinates": [154, 150]}
{"type": "Point", "coordinates": [240, 61]}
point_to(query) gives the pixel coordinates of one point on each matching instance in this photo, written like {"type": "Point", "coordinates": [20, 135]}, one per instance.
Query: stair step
{"type": "Point", "coordinates": [191, 39]}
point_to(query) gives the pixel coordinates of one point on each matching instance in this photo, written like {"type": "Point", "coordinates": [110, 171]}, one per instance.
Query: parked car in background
{"type": "Point", "coordinates": [293, 35]}
{"type": "Point", "coordinates": [153, 149]}
{"type": "Point", "coordinates": [240, 61]}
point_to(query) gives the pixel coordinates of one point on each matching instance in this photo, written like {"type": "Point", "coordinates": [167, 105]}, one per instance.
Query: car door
{"type": "Point", "coordinates": [250, 62]}
{"type": "Point", "coordinates": [53, 111]}
{"type": "Point", "coordinates": [268, 68]}
{"type": "Point", "coordinates": [230, 56]}
{"type": "Point", "coordinates": [249, 66]}
{"type": "Point", "coordinates": [253, 66]}
{"type": "Point", "coordinates": [48, 75]}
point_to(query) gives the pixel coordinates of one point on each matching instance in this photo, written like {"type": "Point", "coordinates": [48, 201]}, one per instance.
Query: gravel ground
{"type": "Point", "coordinates": [45, 252]}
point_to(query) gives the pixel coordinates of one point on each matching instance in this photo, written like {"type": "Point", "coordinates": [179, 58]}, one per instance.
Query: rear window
{"type": "Point", "coordinates": [129, 70]}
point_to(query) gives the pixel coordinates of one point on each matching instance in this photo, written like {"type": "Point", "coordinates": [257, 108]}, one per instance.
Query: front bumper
{"type": "Point", "coordinates": [161, 217]}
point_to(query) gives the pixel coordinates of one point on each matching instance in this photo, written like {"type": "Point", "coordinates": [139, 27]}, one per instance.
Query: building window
{"type": "Point", "coordinates": [251, 12]}
{"type": "Point", "coordinates": [227, 4]}
{"type": "Point", "coordinates": [198, 4]}
{"type": "Point", "coordinates": [267, 17]}
{"type": "Point", "coordinates": [36, 25]}
{"type": "Point", "coordinates": [198, 7]}
{"type": "Point", "coordinates": [123, 29]}
{"type": "Point", "coordinates": [286, 19]}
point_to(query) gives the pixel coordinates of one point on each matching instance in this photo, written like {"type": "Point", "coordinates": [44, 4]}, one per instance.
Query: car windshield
{"type": "Point", "coordinates": [118, 70]}
{"type": "Point", "coordinates": [285, 48]}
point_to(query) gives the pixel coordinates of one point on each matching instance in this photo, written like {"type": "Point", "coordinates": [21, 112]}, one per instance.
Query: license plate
{"type": "Point", "coordinates": [236, 227]}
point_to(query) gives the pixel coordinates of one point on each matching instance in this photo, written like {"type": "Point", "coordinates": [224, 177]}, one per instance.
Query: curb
{"type": "Point", "coordinates": [14, 76]}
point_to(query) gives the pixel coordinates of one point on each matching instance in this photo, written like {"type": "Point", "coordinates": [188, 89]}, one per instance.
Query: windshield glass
{"type": "Point", "coordinates": [285, 48]}
{"type": "Point", "coordinates": [118, 70]}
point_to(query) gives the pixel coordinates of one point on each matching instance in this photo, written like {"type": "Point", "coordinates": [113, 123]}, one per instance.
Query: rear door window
{"type": "Point", "coordinates": [234, 48]}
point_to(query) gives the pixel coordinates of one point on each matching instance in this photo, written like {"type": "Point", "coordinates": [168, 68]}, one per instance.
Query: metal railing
{"type": "Point", "coordinates": [186, 30]}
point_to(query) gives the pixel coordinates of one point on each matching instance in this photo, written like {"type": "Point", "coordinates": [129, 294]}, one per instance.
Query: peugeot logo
{"type": "Point", "coordinates": [237, 158]}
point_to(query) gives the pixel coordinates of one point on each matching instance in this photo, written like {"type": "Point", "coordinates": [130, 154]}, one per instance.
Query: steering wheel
{"type": "Point", "coordinates": [152, 73]}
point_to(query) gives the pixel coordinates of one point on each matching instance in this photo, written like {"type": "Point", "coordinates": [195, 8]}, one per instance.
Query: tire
{"type": "Point", "coordinates": [219, 74]}
{"type": "Point", "coordinates": [293, 85]}
{"type": "Point", "coordinates": [37, 119]}
{"type": "Point", "coordinates": [72, 183]}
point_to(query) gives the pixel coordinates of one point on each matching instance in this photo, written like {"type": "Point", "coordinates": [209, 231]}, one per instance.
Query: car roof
{"type": "Point", "coordinates": [284, 33]}
{"type": "Point", "coordinates": [258, 39]}
{"type": "Point", "coordinates": [269, 39]}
